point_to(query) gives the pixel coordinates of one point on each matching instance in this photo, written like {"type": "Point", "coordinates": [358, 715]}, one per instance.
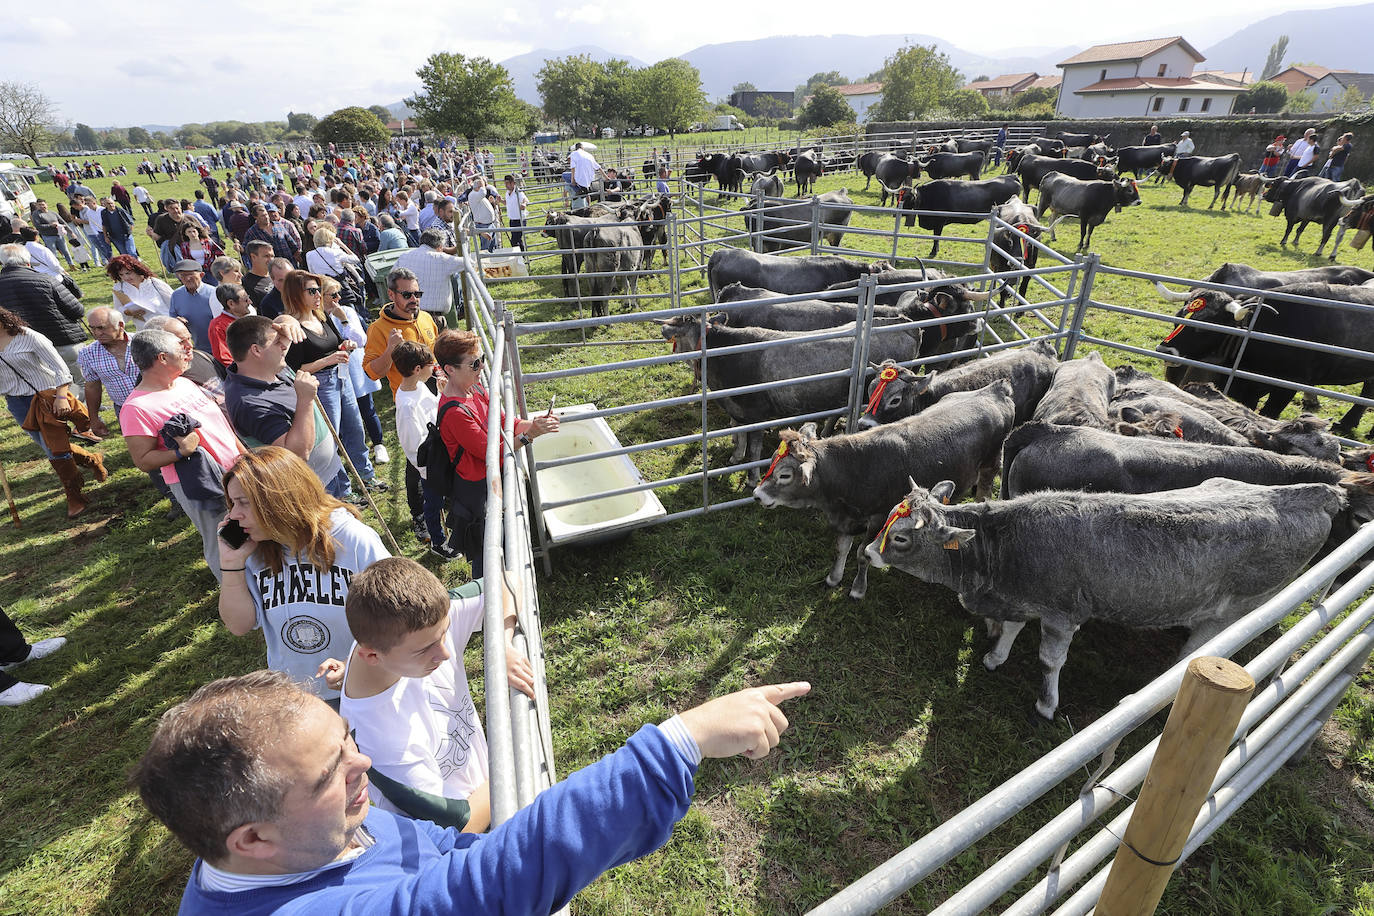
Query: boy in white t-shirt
{"type": "Point", "coordinates": [416, 408]}
{"type": "Point", "coordinates": [405, 693]}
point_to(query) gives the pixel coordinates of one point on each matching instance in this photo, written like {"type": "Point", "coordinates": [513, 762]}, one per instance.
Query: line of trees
{"type": "Point", "coordinates": [584, 93]}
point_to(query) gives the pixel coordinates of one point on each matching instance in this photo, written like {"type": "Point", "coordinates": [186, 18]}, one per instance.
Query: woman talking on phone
{"type": "Point", "coordinates": [287, 552]}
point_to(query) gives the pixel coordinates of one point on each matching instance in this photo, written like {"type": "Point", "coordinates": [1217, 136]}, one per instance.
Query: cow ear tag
{"type": "Point", "coordinates": [952, 544]}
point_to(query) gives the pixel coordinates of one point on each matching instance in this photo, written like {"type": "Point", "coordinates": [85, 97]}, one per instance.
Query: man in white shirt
{"type": "Point", "coordinates": [1185, 145]}
{"type": "Point", "coordinates": [434, 266]}
{"type": "Point", "coordinates": [89, 217]}
{"type": "Point", "coordinates": [517, 211]}
{"type": "Point", "coordinates": [482, 204]}
{"type": "Point", "coordinates": [584, 172]}
{"type": "Point", "coordinates": [1302, 152]}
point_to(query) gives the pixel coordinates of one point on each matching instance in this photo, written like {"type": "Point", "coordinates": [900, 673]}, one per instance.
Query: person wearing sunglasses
{"type": "Point", "coordinates": [403, 318]}
{"type": "Point", "coordinates": [464, 429]}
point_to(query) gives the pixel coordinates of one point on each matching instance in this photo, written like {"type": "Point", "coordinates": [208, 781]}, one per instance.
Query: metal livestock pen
{"type": "Point", "coordinates": [1310, 666]}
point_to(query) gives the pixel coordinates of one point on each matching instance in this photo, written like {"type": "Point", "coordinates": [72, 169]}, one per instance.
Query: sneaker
{"type": "Point", "coordinates": [378, 485]}
{"type": "Point", "coordinates": [445, 552]}
{"type": "Point", "coordinates": [175, 512]}
{"type": "Point", "coordinates": [380, 454]}
{"type": "Point", "coordinates": [417, 525]}
{"type": "Point", "coordinates": [21, 693]}
{"type": "Point", "coordinates": [41, 649]}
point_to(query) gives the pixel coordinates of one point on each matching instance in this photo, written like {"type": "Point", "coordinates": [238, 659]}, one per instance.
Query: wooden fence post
{"type": "Point", "coordinates": [1200, 728]}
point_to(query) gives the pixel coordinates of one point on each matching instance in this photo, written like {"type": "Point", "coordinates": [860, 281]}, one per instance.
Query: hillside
{"type": "Point", "coordinates": [1336, 38]}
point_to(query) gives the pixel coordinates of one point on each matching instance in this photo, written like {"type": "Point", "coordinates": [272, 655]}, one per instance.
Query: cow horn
{"type": "Point", "coordinates": [978, 297]}
{"type": "Point", "coordinates": [1233, 307]}
{"type": "Point", "coordinates": [1170, 294]}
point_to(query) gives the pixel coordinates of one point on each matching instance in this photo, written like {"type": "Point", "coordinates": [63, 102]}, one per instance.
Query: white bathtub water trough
{"type": "Point", "coordinates": [597, 519]}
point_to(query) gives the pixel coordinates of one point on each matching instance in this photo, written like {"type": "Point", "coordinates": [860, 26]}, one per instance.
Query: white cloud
{"type": "Point", "coordinates": [590, 14]}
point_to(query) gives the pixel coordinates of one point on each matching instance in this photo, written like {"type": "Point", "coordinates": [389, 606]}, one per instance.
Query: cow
{"type": "Point", "coordinates": [1090, 201]}
{"type": "Point", "coordinates": [1306, 435]}
{"type": "Point", "coordinates": [1011, 251]}
{"type": "Point", "coordinates": [1200, 558]}
{"type": "Point", "coordinates": [887, 291]}
{"type": "Point", "coordinates": [1352, 329]}
{"type": "Point", "coordinates": [966, 145]}
{"type": "Point", "coordinates": [616, 252]}
{"type": "Point", "coordinates": [1190, 172]}
{"type": "Point", "coordinates": [1312, 200]}
{"type": "Point", "coordinates": [946, 197]}
{"type": "Point", "coordinates": [854, 478]}
{"type": "Point", "coordinates": [1137, 414]}
{"type": "Point", "coordinates": [1033, 169]}
{"type": "Point", "coordinates": [1051, 147]}
{"type": "Point", "coordinates": [788, 276]}
{"type": "Point", "coordinates": [943, 301]}
{"type": "Point", "coordinates": [1080, 394]}
{"type": "Point", "coordinates": [726, 168]}
{"type": "Point", "coordinates": [896, 392]}
{"type": "Point", "coordinates": [1251, 184]}
{"type": "Point", "coordinates": [894, 173]}
{"type": "Point", "coordinates": [783, 224]}
{"type": "Point", "coordinates": [1100, 153]}
{"type": "Point", "coordinates": [569, 232]}
{"type": "Point", "coordinates": [868, 165]}
{"type": "Point", "coordinates": [954, 165]}
{"type": "Point", "coordinates": [1360, 218]}
{"type": "Point", "coordinates": [760, 162]}
{"type": "Point", "coordinates": [652, 210]}
{"type": "Point", "coordinates": [1231, 274]}
{"type": "Point", "coordinates": [697, 172]}
{"type": "Point", "coordinates": [806, 168]}
{"type": "Point", "coordinates": [768, 184]}
{"type": "Point", "coordinates": [1137, 158]}
{"type": "Point", "coordinates": [761, 311]}
{"type": "Point", "coordinates": [1070, 139]}
{"type": "Point", "coordinates": [799, 359]}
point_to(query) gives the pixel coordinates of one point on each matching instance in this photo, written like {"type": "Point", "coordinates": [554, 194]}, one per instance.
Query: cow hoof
{"type": "Point", "coordinates": [991, 661]}
{"type": "Point", "coordinates": [858, 593]}
{"type": "Point", "coordinates": [1044, 710]}
{"type": "Point", "coordinates": [832, 581]}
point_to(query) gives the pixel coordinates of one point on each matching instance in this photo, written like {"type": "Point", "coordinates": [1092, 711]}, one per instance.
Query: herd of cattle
{"type": "Point", "coordinates": [1100, 469]}
{"type": "Point", "coordinates": [1200, 506]}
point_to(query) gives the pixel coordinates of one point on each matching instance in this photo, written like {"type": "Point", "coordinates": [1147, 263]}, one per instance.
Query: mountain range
{"type": "Point", "coordinates": [1337, 38]}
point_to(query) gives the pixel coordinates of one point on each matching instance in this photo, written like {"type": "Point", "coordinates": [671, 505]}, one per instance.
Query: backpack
{"type": "Point", "coordinates": [441, 471]}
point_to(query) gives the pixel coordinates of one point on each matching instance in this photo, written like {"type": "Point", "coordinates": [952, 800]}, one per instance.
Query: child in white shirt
{"type": "Point", "coordinates": [416, 407]}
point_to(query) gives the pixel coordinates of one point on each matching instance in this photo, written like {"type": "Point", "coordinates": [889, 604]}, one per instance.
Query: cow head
{"type": "Point", "coordinates": [1127, 194]}
{"type": "Point", "coordinates": [908, 198]}
{"type": "Point", "coordinates": [892, 394]}
{"type": "Point", "coordinates": [1274, 194]}
{"type": "Point", "coordinates": [553, 218]}
{"type": "Point", "coordinates": [685, 330]}
{"type": "Point", "coordinates": [918, 531]}
{"type": "Point", "coordinates": [791, 477]}
{"type": "Point", "coordinates": [1199, 343]}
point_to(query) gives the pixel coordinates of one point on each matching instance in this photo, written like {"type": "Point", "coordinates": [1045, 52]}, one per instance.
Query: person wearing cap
{"type": "Point", "coordinates": [195, 303]}
{"type": "Point", "coordinates": [584, 172]}
{"type": "Point", "coordinates": [1303, 152]}
{"type": "Point", "coordinates": [1185, 145]}
{"type": "Point", "coordinates": [1273, 154]}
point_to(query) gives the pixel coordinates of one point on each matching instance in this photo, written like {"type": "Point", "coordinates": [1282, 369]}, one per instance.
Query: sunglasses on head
{"type": "Point", "coordinates": [410, 293]}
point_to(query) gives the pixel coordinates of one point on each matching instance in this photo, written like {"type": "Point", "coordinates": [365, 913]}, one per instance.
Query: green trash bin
{"type": "Point", "coordinates": [378, 265]}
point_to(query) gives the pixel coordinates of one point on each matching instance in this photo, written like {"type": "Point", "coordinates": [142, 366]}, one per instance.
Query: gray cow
{"type": "Point", "coordinates": [1200, 558]}
{"type": "Point", "coordinates": [785, 224]}
{"type": "Point", "coordinates": [854, 478]}
{"type": "Point", "coordinates": [1080, 393]}
{"type": "Point", "coordinates": [785, 275]}
{"type": "Point", "coordinates": [1029, 369]}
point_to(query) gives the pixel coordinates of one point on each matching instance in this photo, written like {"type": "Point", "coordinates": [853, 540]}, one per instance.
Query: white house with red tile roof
{"type": "Point", "coordinates": [1141, 79]}
{"type": "Point", "coordinates": [861, 97]}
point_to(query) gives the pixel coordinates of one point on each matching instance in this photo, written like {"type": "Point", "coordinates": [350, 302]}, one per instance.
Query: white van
{"type": "Point", "coordinates": [16, 197]}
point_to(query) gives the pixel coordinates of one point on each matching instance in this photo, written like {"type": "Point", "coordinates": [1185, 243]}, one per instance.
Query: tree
{"type": "Point", "coordinates": [668, 95]}
{"type": "Point", "coordinates": [85, 136]}
{"type": "Point", "coordinates": [915, 79]}
{"type": "Point", "coordinates": [1036, 95]}
{"type": "Point", "coordinates": [195, 138]}
{"type": "Point", "coordinates": [381, 111]}
{"type": "Point", "coordinates": [27, 119]}
{"type": "Point", "coordinates": [162, 140]}
{"type": "Point", "coordinates": [1301, 102]}
{"type": "Point", "coordinates": [568, 87]}
{"type": "Point", "coordinates": [245, 134]}
{"type": "Point", "coordinates": [771, 108]}
{"type": "Point", "coordinates": [301, 121]}
{"type": "Point", "coordinates": [350, 125]}
{"type": "Point", "coordinates": [139, 136]}
{"type": "Point", "coordinates": [825, 107]}
{"type": "Point", "coordinates": [113, 139]}
{"type": "Point", "coordinates": [1274, 62]}
{"type": "Point", "coordinates": [965, 103]}
{"type": "Point", "coordinates": [1264, 98]}
{"type": "Point", "coordinates": [612, 100]}
{"type": "Point", "coordinates": [981, 78]}
{"type": "Point", "coordinates": [1352, 99]}
{"type": "Point", "coordinates": [462, 95]}
{"type": "Point", "coordinates": [745, 86]}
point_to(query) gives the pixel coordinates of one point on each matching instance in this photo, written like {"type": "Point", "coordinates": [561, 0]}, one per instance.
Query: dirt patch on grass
{"type": "Point", "coordinates": [1337, 785]}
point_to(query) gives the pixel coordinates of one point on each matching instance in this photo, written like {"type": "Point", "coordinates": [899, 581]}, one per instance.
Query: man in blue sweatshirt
{"type": "Point", "coordinates": [262, 781]}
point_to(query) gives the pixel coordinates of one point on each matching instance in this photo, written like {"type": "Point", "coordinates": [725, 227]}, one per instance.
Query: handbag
{"type": "Point", "coordinates": [71, 286]}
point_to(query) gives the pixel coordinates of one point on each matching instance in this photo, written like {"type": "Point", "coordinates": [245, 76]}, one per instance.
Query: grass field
{"type": "Point", "coordinates": [903, 727]}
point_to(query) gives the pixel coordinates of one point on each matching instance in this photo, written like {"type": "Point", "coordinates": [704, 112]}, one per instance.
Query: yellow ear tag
{"type": "Point", "coordinates": [952, 544]}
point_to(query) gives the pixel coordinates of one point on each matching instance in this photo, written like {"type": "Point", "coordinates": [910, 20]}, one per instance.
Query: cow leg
{"type": "Point", "coordinates": [1054, 651]}
{"type": "Point", "coordinates": [934, 249]}
{"type": "Point", "coordinates": [1297, 236]}
{"type": "Point", "coordinates": [741, 441]}
{"type": "Point", "coordinates": [1278, 399]}
{"type": "Point", "coordinates": [1326, 234]}
{"type": "Point", "coordinates": [1355, 414]}
{"type": "Point", "coordinates": [1310, 402]}
{"type": "Point", "coordinates": [1006, 635]}
{"type": "Point", "coordinates": [1184, 201]}
{"type": "Point", "coordinates": [1283, 242]}
{"type": "Point", "coordinates": [1085, 234]}
{"type": "Point", "coordinates": [755, 452]}
{"type": "Point", "coordinates": [986, 475]}
{"type": "Point", "coordinates": [1340, 234]}
{"type": "Point", "coordinates": [1202, 632]}
{"type": "Point", "coordinates": [1215, 195]}
{"type": "Point", "coordinates": [843, 543]}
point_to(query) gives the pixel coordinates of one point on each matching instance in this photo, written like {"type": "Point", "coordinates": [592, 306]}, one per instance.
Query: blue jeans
{"type": "Point", "coordinates": [101, 249]}
{"type": "Point", "coordinates": [328, 393]}
{"type": "Point", "coordinates": [18, 405]}
{"type": "Point", "coordinates": [350, 427]}
{"type": "Point", "coordinates": [371, 422]}
{"type": "Point", "coordinates": [1333, 172]}
{"type": "Point", "coordinates": [58, 243]}
{"type": "Point", "coordinates": [126, 246]}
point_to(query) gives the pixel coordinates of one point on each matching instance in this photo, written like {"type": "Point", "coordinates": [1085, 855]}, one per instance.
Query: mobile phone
{"type": "Point", "coordinates": [233, 534]}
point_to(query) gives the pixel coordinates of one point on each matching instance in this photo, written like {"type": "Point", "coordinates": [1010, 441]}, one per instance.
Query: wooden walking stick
{"type": "Point", "coordinates": [1201, 725]}
{"type": "Point", "coordinates": [9, 497]}
{"type": "Point", "coordinates": [348, 462]}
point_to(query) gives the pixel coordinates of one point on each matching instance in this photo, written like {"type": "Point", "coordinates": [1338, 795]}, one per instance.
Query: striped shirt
{"type": "Point", "coordinates": [433, 269]}
{"type": "Point", "coordinates": [98, 364]}
{"type": "Point", "coordinates": [30, 363]}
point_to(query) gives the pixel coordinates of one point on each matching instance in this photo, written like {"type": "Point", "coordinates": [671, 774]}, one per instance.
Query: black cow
{"type": "Point", "coordinates": [893, 173]}
{"type": "Point", "coordinates": [806, 168]}
{"type": "Point", "coordinates": [1090, 201]}
{"type": "Point", "coordinates": [1032, 170]}
{"type": "Point", "coordinates": [888, 290]}
{"type": "Point", "coordinates": [1189, 172]}
{"type": "Point", "coordinates": [948, 196]}
{"type": "Point", "coordinates": [1360, 218]}
{"type": "Point", "coordinates": [1345, 328]}
{"type": "Point", "coordinates": [755, 308]}
{"type": "Point", "coordinates": [614, 253]}
{"type": "Point", "coordinates": [1049, 146]}
{"type": "Point", "coordinates": [1069, 139]}
{"type": "Point", "coordinates": [787, 276]}
{"type": "Point", "coordinates": [955, 165]}
{"type": "Point", "coordinates": [698, 171]}
{"type": "Point", "coordinates": [1254, 278]}
{"type": "Point", "coordinates": [1312, 200]}
{"type": "Point", "coordinates": [855, 478]}
{"type": "Point", "coordinates": [1019, 253]}
{"type": "Point", "coordinates": [1080, 394]}
{"type": "Point", "coordinates": [868, 165]}
{"type": "Point", "coordinates": [1142, 158]}
{"type": "Point", "coordinates": [759, 162]}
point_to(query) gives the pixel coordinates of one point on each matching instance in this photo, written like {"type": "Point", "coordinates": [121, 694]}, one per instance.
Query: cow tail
{"type": "Point", "coordinates": [1234, 173]}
